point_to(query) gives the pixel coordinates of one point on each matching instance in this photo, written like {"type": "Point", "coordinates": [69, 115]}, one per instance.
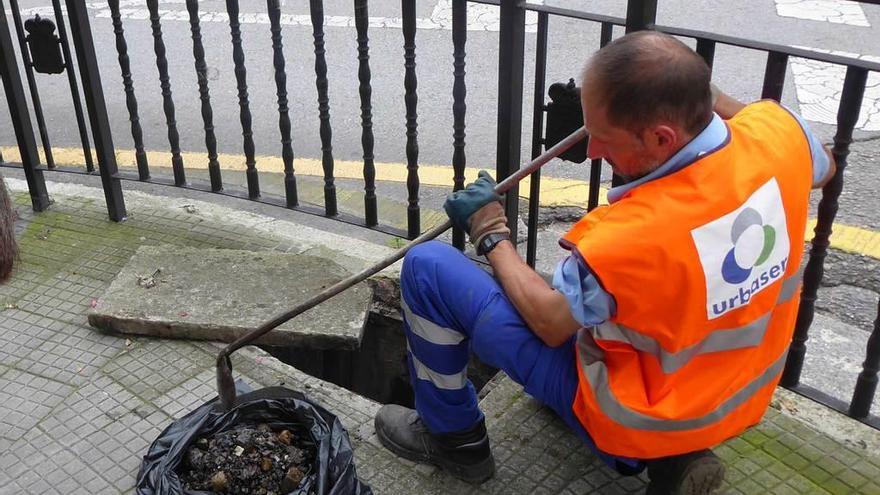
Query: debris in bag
{"type": "Point", "coordinates": [273, 441]}
{"type": "Point", "coordinates": [246, 459]}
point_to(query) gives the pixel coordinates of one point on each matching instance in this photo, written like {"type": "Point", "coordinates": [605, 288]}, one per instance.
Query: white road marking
{"type": "Point", "coordinates": [836, 11]}
{"type": "Point", "coordinates": [819, 86]}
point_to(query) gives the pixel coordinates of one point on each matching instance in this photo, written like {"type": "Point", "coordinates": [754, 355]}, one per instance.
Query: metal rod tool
{"type": "Point", "coordinates": [225, 382]}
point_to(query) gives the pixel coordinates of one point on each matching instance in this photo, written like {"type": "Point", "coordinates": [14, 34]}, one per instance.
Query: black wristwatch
{"type": "Point", "coordinates": [488, 243]}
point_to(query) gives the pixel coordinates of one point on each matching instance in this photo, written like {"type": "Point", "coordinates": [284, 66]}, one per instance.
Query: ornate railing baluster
{"type": "Point", "coordinates": [361, 21]}
{"type": "Point", "coordinates": [459, 105]}
{"type": "Point", "coordinates": [247, 133]}
{"type": "Point", "coordinates": [866, 385]}
{"type": "Point", "coordinates": [774, 75]}
{"type": "Point", "coordinates": [290, 193]}
{"type": "Point", "coordinates": [32, 83]}
{"type": "Point", "coordinates": [137, 133]}
{"type": "Point", "coordinates": [706, 49]}
{"type": "Point", "coordinates": [316, 9]}
{"type": "Point", "coordinates": [847, 116]}
{"type": "Point", "coordinates": [410, 84]}
{"type": "Point", "coordinates": [537, 137]}
{"type": "Point", "coordinates": [167, 100]}
{"type": "Point", "coordinates": [192, 7]}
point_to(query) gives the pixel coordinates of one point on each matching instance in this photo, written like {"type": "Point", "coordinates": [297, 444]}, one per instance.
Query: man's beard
{"type": "Point", "coordinates": [8, 248]}
{"type": "Point", "coordinates": [647, 166]}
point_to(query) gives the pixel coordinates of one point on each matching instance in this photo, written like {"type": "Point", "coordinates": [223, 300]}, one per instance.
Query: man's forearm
{"type": "Point", "coordinates": [725, 105]}
{"type": "Point", "coordinates": [544, 310]}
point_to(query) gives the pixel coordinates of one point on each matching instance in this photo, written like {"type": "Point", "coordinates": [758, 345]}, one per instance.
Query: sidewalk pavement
{"type": "Point", "coordinates": [78, 408]}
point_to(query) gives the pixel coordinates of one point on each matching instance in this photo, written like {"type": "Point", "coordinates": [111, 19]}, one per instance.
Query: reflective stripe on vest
{"type": "Point", "coordinates": [728, 339]}
{"type": "Point", "coordinates": [597, 375]}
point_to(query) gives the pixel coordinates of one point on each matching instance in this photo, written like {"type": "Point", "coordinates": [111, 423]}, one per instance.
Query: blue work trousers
{"type": "Point", "coordinates": [451, 307]}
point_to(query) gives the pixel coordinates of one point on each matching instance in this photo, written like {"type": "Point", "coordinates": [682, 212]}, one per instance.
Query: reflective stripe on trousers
{"type": "Point", "coordinates": [436, 335]}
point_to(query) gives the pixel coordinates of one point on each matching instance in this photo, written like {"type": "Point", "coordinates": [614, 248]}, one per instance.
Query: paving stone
{"type": "Point", "coordinates": [189, 395]}
{"type": "Point", "coordinates": [72, 354]}
{"type": "Point", "coordinates": [150, 368]}
{"type": "Point", "coordinates": [24, 399]}
{"type": "Point", "coordinates": [107, 427]}
{"type": "Point", "coordinates": [21, 334]}
{"type": "Point", "coordinates": [67, 296]}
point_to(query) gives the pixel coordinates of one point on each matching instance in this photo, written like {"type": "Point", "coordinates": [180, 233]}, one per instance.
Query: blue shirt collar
{"type": "Point", "coordinates": [709, 139]}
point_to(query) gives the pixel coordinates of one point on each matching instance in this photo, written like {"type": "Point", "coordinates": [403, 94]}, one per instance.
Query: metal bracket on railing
{"type": "Point", "coordinates": [45, 47]}
{"type": "Point", "coordinates": [564, 117]}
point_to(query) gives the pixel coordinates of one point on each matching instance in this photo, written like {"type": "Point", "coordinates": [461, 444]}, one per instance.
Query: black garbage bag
{"type": "Point", "coordinates": [280, 408]}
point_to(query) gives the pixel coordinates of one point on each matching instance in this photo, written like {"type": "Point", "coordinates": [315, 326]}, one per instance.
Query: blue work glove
{"type": "Point", "coordinates": [462, 204]}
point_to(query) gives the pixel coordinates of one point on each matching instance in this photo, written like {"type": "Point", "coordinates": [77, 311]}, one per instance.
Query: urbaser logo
{"type": "Point", "coordinates": [744, 251]}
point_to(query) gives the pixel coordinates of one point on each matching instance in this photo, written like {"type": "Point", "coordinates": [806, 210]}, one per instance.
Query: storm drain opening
{"type": "Point", "coordinates": [377, 369]}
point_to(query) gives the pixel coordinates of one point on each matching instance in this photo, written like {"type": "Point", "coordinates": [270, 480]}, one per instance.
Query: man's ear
{"type": "Point", "coordinates": [666, 137]}
{"type": "Point", "coordinates": [662, 140]}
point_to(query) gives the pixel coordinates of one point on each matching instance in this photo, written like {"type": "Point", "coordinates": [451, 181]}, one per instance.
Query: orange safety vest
{"type": "Point", "coordinates": [704, 267]}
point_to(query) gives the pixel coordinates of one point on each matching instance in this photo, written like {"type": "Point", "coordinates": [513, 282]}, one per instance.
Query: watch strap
{"type": "Point", "coordinates": [489, 241]}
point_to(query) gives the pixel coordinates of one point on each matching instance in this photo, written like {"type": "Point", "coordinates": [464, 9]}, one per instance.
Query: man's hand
{"type": "Point", "coordinates": [461, 204]}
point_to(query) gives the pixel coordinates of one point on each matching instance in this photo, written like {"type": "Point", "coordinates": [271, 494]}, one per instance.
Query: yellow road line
{"type": "Point", "coordinates": [554, 192]}
{"type": "Point", "coordinates": [852, 239]}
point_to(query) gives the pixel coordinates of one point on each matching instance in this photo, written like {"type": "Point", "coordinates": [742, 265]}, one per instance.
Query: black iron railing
{"type": "Point", "coordinates": [641, 14]}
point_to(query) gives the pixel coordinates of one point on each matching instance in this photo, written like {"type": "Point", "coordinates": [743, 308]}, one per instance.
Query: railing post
{"type": "Point", "coordinates": [74, 88]}
{"type": "Point", "coordinates": [640, 15]}
{"type": "Point", "coordinates": [511, 44]}
{"type": "Point", "coordinates": [774, 76]}
{"type": "Point", "coordinates": [847, 116]}
{"type": "Point", "coordinates": [93, 91]}
{"type": "Point", "coordinates": [167, 99]}
{"type": "Point", "coordinates": [537, 137]}
{"type": "Point", "coordinates": [365, 88]}
{"type": "Point", "coordinates": [596, 164]}
{"type": "Point", "coordinates": [316, 10]}
{"type": "Point", "coordinates": [706, 50]}
{"type": "Point", "coordinates": [411, 100]}
{"type": "Point", "coordinates": [459, 105]}
{"type": "Point", "coordinates": [866, 385]}
{"type": "Point", "coordinates": [21, 121]}
{"type": "Point", "coordinates": [137, 133]}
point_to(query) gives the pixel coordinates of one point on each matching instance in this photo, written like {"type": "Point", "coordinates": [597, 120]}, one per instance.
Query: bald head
{"type": "Point", "coordinates": [646, 78]}
{"type": "Point", "coordinates": [7, 234]}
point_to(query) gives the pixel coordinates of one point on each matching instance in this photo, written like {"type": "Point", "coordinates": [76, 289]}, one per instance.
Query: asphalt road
{"type": "Point", "coordinates": [739, 71]}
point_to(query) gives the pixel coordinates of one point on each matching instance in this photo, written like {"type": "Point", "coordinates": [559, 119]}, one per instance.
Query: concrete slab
{"type": "Point", "coordinates": [220, 294]}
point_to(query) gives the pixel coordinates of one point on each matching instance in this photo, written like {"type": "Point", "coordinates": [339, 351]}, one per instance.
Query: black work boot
{"type": "Point", "coordinates": [695, 473]}
{"type": "Point", "coordinates": [466, 455]}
